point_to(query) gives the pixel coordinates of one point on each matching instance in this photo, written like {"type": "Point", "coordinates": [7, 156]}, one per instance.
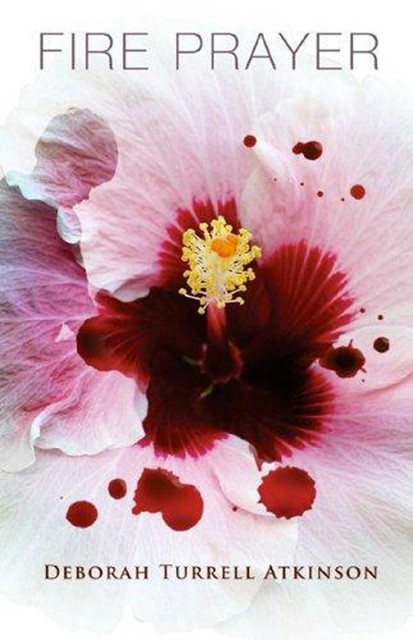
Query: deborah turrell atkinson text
{"type": "Point", "coordinates": [209, 572]}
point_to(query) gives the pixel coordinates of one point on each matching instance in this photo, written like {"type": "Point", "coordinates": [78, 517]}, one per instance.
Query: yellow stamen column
{"type": "Point", "coordinates": [217, 274]}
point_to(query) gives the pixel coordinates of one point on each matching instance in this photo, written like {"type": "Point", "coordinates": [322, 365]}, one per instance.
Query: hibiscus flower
{"type": "Point", "coordinates": [211, 364]}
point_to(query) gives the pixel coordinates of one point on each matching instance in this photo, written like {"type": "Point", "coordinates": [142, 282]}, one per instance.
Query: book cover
{"type": "Point", "coordinates": [206, 320]}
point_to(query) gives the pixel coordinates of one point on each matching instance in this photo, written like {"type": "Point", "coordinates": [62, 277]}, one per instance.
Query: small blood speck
{"type": "Point", "coordinates": [381, 344]}
{"type": "Point", "coordinates": [160, 491]}
{"type": "Point", "coordinates": [320, 194]}
{"type": "Point", "coordinates": [380, 317]}
{"type": "Point", "coordinates": [311, 150]}
{"type": "Point", "coordinates": [287, 492]}
{"type": "Point", "coordinates": [358, 191]}
{"type": "Point", "coordinates": [345, 361]}
{"type": "Point", "coordinates": [82, 514]}
{"type": "Point", "coordinates": [342, 199]}
{"type": "Point", "coordinates": [362, 310]}
{"type": "Point", "coordinates": [301, 184]}
{"type": "Point", "coordinates": [235, 508]}
{"type": "Point", "coordinates": [117, 488]}
{"type": "Point", "coordinates": [250, 141]}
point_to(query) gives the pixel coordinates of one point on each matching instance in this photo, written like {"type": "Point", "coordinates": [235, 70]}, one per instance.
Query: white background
{"type": "Point", "coordinates": [20, 23]}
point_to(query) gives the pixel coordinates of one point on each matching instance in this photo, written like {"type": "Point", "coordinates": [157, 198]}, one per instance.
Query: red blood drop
{"type": "Point", "coordinates": [298, 148]}
{"type": "Point", "coordinates": [382, 344]}
{"type": "Point", "coordinates": [311, 150]}
{"type": "Point", "coordinates": [362, 310]}
{"type": "Point", "coordinates": [345, 361]}
{"type": "Point", "coordinates": [250, 141]}
{"type": "Point", "coordinates": [117, 488]}
{"type": "Point", "coordinates": [287, 492]}
{"type": "Point", "coordinates": [320, 194]}
{"type": "Point", "coordinates": [82, 514]}
{"type": "Point", "coordinates": [160, 491]}
{"type": "Point", "coordinates": [358, 191]}
{"type": "Point", "coordinates": [380, 317]}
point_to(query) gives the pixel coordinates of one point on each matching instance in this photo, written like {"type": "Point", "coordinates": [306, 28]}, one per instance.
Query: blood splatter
{"type": "Point", "coordinates": [160, 491]}
{"type": "Point", "coordinates": [362, 310]}
{"type": "Point", "coordinates": [320, 194]}
{"type": "Point", "coordinates": [345, 361]}
{"type": "Point", "coordinates": [287, 492]}
{"type": "Point", "coordinates": [358, 191]}
{"type": "Point", "coordinates": [311, 150]}
{"type": "Point", "coordinates": [250, 141]}
{"type": "Point", "coordinates": [117, 488]}
{"type": "Point", "coordinates": [82, 514]}
{"type": "Point", "coordinates": [381, 344]}
{"type": "Point", "coordinates": [380, 317]}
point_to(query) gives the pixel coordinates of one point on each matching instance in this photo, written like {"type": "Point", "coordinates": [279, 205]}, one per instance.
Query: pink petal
{"type": "Point", "coordinates": [388, 353]}
{"type": "Point", "coordinates": [75, 153]}
{"type": "Point", "coordinates": [48, 393]}
{"type": "Point", "coordinates": [372, 236]}
{"type": "Point", "coordinates": [179, 147]}
{"type": "Point", "coordinates": [363, 475]}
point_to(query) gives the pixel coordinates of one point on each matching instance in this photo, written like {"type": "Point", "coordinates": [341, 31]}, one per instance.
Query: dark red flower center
{"type": "Point", "coordinates": [243, 370]}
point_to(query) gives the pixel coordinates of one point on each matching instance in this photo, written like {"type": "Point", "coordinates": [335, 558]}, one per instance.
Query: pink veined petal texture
{"type": "Point", "coordinates": [49, 395]}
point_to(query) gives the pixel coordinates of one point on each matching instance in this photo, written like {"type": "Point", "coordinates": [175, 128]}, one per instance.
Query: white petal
{"type": "Point", "coordinates": [38, 533]}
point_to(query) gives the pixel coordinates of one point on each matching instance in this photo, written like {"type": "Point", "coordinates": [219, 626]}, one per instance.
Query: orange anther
{"type": "Point", "coordinates": [226, 246]}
